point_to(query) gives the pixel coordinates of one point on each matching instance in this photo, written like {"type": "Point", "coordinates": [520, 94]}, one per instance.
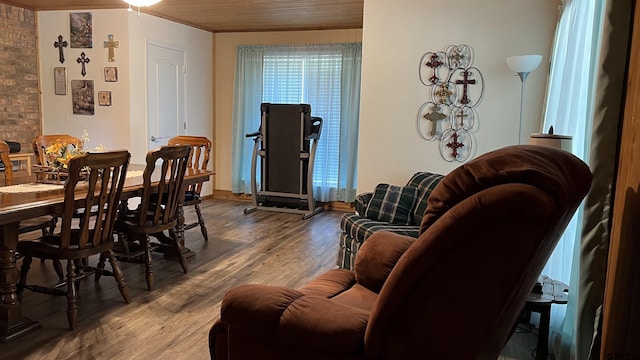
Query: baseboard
{"type": "Point", "coordinates": [328, 206]}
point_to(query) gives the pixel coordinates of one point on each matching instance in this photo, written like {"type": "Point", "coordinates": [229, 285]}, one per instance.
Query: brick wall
{"type": "Point", "coordinates": [19, 93]}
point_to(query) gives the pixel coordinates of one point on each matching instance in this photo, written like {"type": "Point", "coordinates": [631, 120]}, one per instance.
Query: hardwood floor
{"type": "Point", "coordinates": [173, 320]}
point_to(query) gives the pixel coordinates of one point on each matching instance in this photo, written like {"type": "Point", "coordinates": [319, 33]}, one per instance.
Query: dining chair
{"type": "Point", "coordinates": [8, 165]}
{"type": "Point", "coordinates": [41, 142]}
{"type": "Point", "coordinates": [157, 212]}
{"type": "Point", "coordinates": [46, 224]}
{"type": "Point", "coordinates": [199, 159]}
{"type": "Point", "coordinates": [98, 188]}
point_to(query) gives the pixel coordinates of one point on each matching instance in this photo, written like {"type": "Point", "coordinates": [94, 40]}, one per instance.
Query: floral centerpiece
{"type": "Point", "coordinates": [56, 160]}
{"type": "Point", "coordinates": [58, 154]}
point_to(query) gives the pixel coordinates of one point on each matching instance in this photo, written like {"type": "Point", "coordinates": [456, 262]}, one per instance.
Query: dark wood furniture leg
{"type": "Point", "coordinates": [12, 323]}
{"type": "Point", "coordinates": [544, 309]}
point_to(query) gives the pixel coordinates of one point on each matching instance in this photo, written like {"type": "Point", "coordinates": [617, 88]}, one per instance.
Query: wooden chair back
{"type": "Point", "coordinates": [41, 142]}
{"type": "Point", "coordinates": [103, 175]}
{"type": "Point", "coordinates": [159, 204]}
{"type": "Point", "coordinates": [8, 165]}
{"type": "Point", "coordinates": [199, 158]}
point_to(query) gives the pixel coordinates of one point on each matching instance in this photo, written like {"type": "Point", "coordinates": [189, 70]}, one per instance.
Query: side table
{"type": "Point", "coordinates": [20, 157]}
{"type": "Point", "coordinates": [553, 292]}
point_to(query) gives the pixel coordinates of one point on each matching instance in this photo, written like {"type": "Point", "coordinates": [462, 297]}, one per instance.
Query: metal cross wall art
{"type": "Point", "coordinates": [455, 90]}
{"type": "Point", "coordinates": [60, 44]}
{"type": "Point", "coordinates": [83, 59]}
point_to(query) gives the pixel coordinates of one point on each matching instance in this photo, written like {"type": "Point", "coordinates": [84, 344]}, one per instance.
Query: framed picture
{"type": "Point", "coordinates": [110, 74]}
{"type": "Point", "coordinates": [81, 30]}
{"type": "Point", "coordinates": [82, 97]}
{"type": "Point", "coordinates": [60, 80]}
{"type": "Point", "coordinates": [104, 98]}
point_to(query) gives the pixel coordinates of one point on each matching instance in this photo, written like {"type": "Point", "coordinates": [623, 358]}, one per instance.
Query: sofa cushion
{"type": "Point", "coordinates": [425, 182]}
{"type": "Point", "coordinates": [392, 204]}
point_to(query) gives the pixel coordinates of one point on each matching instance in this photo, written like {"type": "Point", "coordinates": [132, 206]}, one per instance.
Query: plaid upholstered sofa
{"type": "Point", "coordinates": [398, 209]}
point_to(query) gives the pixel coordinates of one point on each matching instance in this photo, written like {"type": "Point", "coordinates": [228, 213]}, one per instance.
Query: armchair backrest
{"type": "Point", "coordinates": [8, 165]}
{"type": "Point", "coordinates": [102, 175]}
{"type": "Point", "coordinates": [167, 165]}
{"type": "Point", "coordinates": [199, 158]}
{"type": "Point", "coordinates": [489, 228]}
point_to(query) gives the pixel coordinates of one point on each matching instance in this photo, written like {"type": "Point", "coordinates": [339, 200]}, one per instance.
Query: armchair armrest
{"type": "Point", "coordinates": [377, 257]}
{"type": "Point", "coordinates": [362, 201]}
{"type": "Point", "coordinates": [287, 316]}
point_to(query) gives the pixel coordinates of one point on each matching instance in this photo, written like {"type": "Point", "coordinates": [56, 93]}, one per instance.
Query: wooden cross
{"type": "Point", "coordinates": [465, 82]}
{"type": "Point", "coordinates": [454, 145]}
{"type": "Point", "coordinates": [60, 45]}
{"type": "Point", "coordinates": [83, 59]}
{"type": "Point", "coordinates": [434, 116]}
{"type": "Point", "coordinates": [111, 45]}
{"type": "Point", "coordinates": [434, 63]}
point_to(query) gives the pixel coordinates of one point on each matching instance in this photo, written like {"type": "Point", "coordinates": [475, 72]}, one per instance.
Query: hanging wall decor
{"type": "Point", "coordinates": [83, 60]}
{"type": "Point", "coordinates": [455, 90]}
{"type": "Point", "coordinates": [81, 27]}
{"type": "Point", "coordinates": [60, 45]}
{"type": "Point", "coordinates": [82, 97]}
{"type": "Point", "coordinates": [111, 44]}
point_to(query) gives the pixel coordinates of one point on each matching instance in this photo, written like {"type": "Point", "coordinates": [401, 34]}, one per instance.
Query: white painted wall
{"type": "Point", "coordinates": [397, 33]}
{"type": "Point", "coordinates": [110, 124]}
{"type": "Point", "coordinates": [124, 124]}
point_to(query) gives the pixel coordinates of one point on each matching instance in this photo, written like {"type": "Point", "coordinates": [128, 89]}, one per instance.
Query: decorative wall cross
{"type": "Point", "coordinates": [465, 82]}
{"type": "Point", "coordinates": [449, 115]}
{"type": "Point", "coordinates": [111, 45]}
{"type": "Point", "coordinates": [60, 45]}
{"type": "Point", "coordinates": [83, 59]}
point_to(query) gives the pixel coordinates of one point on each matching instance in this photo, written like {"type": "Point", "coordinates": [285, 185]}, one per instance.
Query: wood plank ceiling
{"type": "Point", "coordinates": [232, 15]}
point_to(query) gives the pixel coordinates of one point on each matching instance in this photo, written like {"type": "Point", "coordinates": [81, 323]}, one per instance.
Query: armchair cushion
{"type": "Point", "coordinates": [392, 204]}
{"type": "Point", "coordinates": [289, 317]}
{"type": "Point", "coordinates": [377, 257]}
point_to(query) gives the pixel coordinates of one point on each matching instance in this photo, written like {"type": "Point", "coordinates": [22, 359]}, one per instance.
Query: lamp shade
{"type": "Point", "coordinates": [140, 3]}
{"type": "Point", "coordinates": [562, 142]}
{"type": "Point", "coordinates": [524, 63]}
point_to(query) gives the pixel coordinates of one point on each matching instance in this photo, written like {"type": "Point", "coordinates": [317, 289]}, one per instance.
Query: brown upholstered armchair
{"type": "Point", "coordinates": [453, 293]}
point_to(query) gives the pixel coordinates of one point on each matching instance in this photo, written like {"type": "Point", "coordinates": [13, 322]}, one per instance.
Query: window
{"type": "Point", "coordinates": [325, 76]}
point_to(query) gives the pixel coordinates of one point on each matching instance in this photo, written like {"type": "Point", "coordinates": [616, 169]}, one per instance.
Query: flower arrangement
{"type": "Point", "coordinates": [59, 153]}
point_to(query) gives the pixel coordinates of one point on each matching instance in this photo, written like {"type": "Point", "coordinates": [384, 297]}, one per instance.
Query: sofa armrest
{"type": "Point", "coordinates": [361, 202]}
{"type": "Point", "coordinates": [289, 317]}
{"type": "Point", "coordinates": [377, 257]}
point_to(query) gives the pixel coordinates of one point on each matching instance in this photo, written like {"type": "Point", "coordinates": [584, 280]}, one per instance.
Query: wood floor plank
{"type": "Point", "coordinates": [173, 320]}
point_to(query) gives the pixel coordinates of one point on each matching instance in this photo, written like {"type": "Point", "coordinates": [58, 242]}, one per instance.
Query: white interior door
{"type": "Point", "coordinates": [166, 94]}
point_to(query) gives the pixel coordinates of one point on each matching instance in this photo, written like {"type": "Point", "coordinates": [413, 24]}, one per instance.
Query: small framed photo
{"type": "Point", "coordinates": [104, 98]}
{"type": "Point", "coordinates": [60, 80]}
{"type": "Point", "coordinates": [111, 74]}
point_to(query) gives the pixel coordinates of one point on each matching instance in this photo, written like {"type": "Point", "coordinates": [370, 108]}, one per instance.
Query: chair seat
{"type": "Point", "coordinates": [130, 223]}
{"type": "Point", "coordinates": [48, 247]}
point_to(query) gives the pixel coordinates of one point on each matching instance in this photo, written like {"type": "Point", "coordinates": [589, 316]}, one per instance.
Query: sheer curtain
{"type": "Point", "coordinates": [569, 109]}
{"type": "Point", "coordinates": [326, 76]}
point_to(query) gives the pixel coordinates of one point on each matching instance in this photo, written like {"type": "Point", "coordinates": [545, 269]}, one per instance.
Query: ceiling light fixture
{"type": "Point", "coordinates": [140, 3]}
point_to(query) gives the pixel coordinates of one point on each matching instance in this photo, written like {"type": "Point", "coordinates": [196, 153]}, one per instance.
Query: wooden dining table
{"type": "Point", "coordinates": [15, 207]}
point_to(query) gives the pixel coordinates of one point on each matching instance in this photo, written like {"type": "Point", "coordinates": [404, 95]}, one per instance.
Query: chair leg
{"type": "Point", "coordinates": [57, 266]}
{"type": "Point", "coordinates": [203, 228]}
{"type": "Point", "coordinates": [147, 261]}
{"type": "Point", "coordinates": [100, 266]}
{"type": "Point", "coordinates": [182, 259]}
{"type": "Point", "coordinates": [72, 295]}
{"type": "Point", "coordinates": [22, 281]}
{"type": "Point", "coordinates": [117, 274]}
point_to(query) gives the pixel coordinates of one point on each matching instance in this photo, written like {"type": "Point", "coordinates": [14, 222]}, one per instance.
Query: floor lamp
{"type": "Point", "coordinates": [523, 65]}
